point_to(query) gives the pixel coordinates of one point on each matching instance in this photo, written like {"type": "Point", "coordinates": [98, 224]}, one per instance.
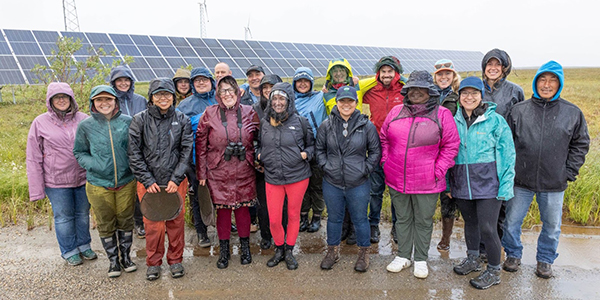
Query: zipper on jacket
{"type": "Point", "coordinates": [112, 147]}
{"type": "Point", "coordinates": [406, 152]}
{"type": "Point", "coordinates": [467, 165]}
{"type": "Point", "coordinates": [537, 174]}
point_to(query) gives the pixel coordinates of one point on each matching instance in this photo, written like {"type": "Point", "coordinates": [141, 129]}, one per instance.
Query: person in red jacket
{"type": "Point", "coordinates": [381, 99]}
{"type": "Point", "coordinates": [225, 162]}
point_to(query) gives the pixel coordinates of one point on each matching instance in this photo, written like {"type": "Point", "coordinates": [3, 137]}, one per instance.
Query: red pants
{"type": "Point", "coordinates": [242, 220]}
{"type": "Point", "coordinates": [275, 199]}
{"type": "Point", "coordinates": [155, 233]}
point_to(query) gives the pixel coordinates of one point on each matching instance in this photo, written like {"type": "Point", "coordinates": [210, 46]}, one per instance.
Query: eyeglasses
{"type": "Point", "coordinates": [201, 79]}
{"type": "Point", "coordinates": [472, 94]}
{"type": "Point", "coordinates": [444, 65]}
{"type": "Point", "coordinates": [163, 95]}
{"type": "Point", "coordinates": [345, 132]}
{"type": "Point", "coordinates": [226, 91]}
{"type": "Point", "coordinates": [60, 97]}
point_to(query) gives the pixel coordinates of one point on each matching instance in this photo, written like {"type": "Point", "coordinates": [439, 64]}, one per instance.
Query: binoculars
{"type": "Point", "coordinates": [235, 149]}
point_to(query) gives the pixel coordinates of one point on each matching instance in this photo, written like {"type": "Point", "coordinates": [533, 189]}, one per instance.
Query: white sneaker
{"type": "Point", "coordinates": [421, 270]}
{"type": "Point", "coordinates": [398, 264]}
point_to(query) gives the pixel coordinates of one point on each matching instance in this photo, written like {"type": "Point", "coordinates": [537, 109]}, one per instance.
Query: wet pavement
{"type": "Point", "coordinates": [31, 268]}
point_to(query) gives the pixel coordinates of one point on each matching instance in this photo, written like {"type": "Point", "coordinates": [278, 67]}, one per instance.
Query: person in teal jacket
{"type": "Point", "coordinates": [101, 149]}
{"type": "Point", "coordinates": [482, 178]}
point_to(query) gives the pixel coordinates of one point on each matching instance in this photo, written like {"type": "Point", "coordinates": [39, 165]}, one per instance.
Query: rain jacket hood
{"type": "Point", "coordinates": [291, 106]}
{"type": "Point", "coordinates": [500, 55]}
{"type": "Point", "coordinates": [205, 73]}
{"type": "Point", "coordinates": [310, 104]}
{"type": "Point", "coordinates": [118, 72]}
{"type": "Point", "coordinates": [130, 102]}
{"type": "Point", "coordinates": [103, 89]}
{"type": "Point", "coordinates": [161, 83]}
{"type": "Point", "coordinates": [55, 88]}
{"type": "Point", "coordinates": [549, 67]}
{"type": "Point", "coordinates": [237, 94]}
{"type": "Point", "coordinates": [339, 62]}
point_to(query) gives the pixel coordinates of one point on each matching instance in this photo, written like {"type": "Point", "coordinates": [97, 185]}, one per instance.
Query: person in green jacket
{"type": "Point", "coordinates": [101, 149]}
{"type": "Point", "coordinates": [482, 178]}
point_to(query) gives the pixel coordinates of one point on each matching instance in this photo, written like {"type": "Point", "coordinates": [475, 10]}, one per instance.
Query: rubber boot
{"type": "Point", "coordinates": [246, 256]}
{"type": "Point", "coordinates": [125, 241]}
{"type": "Point", "coordinates": [290, 260]}
{"type": "Point", "coordinates": [112, 252]}
{"type": "Point", "coordinates": [278, 257]}
{"type": "Point", "coordinates": [303, 222]}
{"type": "Point", "coordinates": [447, 224]}
{"type": "Point", "coordinates": [315, 224]}
{"type": "Point", "coordinates": [224, 254]}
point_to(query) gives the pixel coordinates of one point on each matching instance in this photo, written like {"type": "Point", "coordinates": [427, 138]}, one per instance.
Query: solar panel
{"type": "Point", "coordinates": [21, 50]}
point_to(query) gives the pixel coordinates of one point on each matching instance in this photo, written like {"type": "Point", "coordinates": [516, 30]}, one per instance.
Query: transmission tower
{"type": "Point", "coordinates": [203, 18]}
{"type": "Point", "coordinates": [70, 13]}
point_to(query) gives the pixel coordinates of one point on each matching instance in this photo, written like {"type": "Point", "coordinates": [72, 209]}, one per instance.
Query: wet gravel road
{"type": "Point", "coordinates": [31, 268]}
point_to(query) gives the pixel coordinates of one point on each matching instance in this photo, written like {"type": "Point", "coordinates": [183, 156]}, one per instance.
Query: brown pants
{"type": "Point", "coordinates": [155, 233]}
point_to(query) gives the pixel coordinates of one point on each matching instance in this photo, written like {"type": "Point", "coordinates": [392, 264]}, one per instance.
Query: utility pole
{"type": "Point", "coordinates": [70, 14]}
{"type": "Point", "coordinates": [203, 18]}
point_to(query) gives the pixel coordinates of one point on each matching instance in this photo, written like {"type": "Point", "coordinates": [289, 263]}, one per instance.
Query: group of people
{"type": "Point", "coordinates": [273, 151]}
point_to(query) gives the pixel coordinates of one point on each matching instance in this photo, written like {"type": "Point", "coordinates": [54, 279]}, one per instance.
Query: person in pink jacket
{"type": "Point", "coordinates": [53, 171]}
{"type": "Point", "coordinates": [419, 141]}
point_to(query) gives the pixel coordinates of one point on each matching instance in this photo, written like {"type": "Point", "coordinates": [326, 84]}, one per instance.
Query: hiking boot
{"type": "Point", "coordinates": [447, 224]}
{"type": "Point", "coordinates": [362, 263]}
{"type": "Point", "coordinates": [177, 270]}
{"type": "Point", "coordinates": [511, 264]}
{"type": "Point", "coordinates": [278, 257]}
{"type": "Point", "coordinates": [245, 255]}
{"type": "Point", "coordinates": [332, 256]}
{"type": "Point", "coordinates": [486, 279]}
{"type": "Point", "coordinates": [153, 273]}
{"type": "Point", "coordinates": [468, 265]}
{"type": "Point", "coordinates": [203, 240]}
{"type": "Point", "coordinates": [543, 270]}
{"type": "Point", "coordinates": [89, 254]}
{"type": "Point", "coordinates": [375, 234]}
{"type": "Point", "coordinates": [112, 252]}
{"type": "Point", "coordinates": [125, 242]}
{"type": "Point", "coordinates": [290, 260]}
{"type": "Point", "coordinates": [315, 224]}
{"type": "Point", "coordinates": [140, 232]}
{"type": "Point", "coordinates": [253, 227]}
{"type": "Point", "coordinates": [351, 240]}
{"type": "Point", "coordinates": [394, 234]}
{"type": "Point", "coordinates": [224, 254]}
{"type": "Point", "coordinates": [398, 264]}
{"type": "Point", "coordinates": [74, 260]}
{"type": "Point", "coordinates": [265, 244]}
{"type": "Point", "coordinates": [421, 270]}
{"type": "Point", "coordinates": [303, 222]}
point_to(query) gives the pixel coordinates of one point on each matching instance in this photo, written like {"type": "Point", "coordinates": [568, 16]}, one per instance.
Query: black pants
{"type": "Point", "coordinates": [481, 219]}
{"type": "Point", "coordinates": [500, 226]}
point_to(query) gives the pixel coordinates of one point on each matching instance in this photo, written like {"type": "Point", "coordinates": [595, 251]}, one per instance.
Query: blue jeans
{"type": "Point", "coordinates": [377, 179]}
{"type": "Point", "coordinates": [71, 219]}
{"type": "Point", "coordinates": [357, 201]}
{"type": "Point", "coordinates": [550, 204]}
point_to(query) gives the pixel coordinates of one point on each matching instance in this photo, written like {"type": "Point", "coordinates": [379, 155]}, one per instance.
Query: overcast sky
{"type": "Point", "coordinates": [531, 31]}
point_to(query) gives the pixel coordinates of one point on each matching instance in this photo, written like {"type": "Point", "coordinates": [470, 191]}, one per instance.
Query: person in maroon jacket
{"type": "Point", "coordinates": [381, 99]}
{"type": "Point", "coordinates": [225, 161]}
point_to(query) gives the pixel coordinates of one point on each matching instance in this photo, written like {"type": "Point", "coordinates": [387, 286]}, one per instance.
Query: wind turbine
{"type": "Point", "coordinates": [247, 30]}
{"type": "Point", "coordinates": [203, 15]}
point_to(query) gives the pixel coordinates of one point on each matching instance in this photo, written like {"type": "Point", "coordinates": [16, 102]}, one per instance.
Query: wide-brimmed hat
{"type": "Point", "coordinates": [420, 79]}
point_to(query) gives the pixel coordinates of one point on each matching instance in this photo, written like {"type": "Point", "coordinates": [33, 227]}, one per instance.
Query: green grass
{"type": "Point", "coordinates": [582, 202]}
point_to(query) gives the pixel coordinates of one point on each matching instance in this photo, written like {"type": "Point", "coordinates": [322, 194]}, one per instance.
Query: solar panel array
{"type": "Point", "coordinates": [156, 56]}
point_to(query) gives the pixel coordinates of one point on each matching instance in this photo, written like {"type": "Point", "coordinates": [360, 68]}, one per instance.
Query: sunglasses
{"type": "Point", "coordinates": [444, 65]}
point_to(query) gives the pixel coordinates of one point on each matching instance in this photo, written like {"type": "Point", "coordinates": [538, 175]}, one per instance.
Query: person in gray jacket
{"type": "Point", "coordinates": [348, 150]}
{"type": "Point", "coordinates": [551, 141]}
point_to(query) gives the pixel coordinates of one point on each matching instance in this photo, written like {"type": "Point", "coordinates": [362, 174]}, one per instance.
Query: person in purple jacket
{"type": "Point", "coordinates": [53, 171]}
{"type": "Point", "coordinates": [419, 141]}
